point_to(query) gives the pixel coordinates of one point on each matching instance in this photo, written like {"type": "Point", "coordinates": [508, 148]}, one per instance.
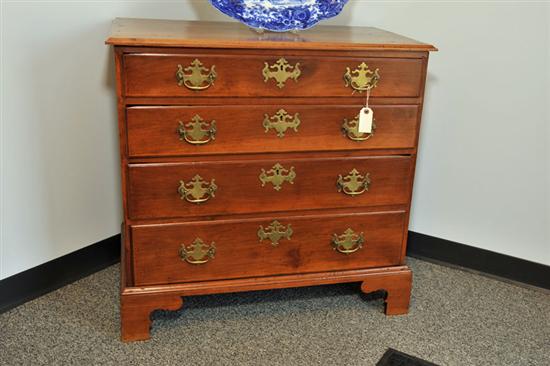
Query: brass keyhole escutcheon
{"type": "Point", "coordinates": [281, 121]}
{"type": "Point", "coordinates": [275, 232]}
{"type": "Point", "coordinates": [197, 252]}
{"type": "Point", "coordinates": [349, 242]}
{"type": "Point", "coordinates": [354, 183]}
{"type": "Point", "coordinates": [281, 71]}
{"type": "Point", "coordinates": [277, 176]}
{"type": "Point", "coordinates": [350, 129]}
{"type": "Point", "coordinates": [196, 76]}
{"type": "Point", "coordinates": [197, 190]}
{"type": "Point", "coordinates": [198, 131]}
{"type": "Point", "coordinates": [362, 78]}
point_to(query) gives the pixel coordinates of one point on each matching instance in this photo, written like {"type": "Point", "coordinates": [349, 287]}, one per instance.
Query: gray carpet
{"type": "Point", "coordinates": [456, 318]}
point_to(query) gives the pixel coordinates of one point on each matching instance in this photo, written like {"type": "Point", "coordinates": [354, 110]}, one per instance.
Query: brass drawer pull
{"type": "Point", "coordinates": [198, 252]}
{"type": "Point", "coordinates": [354, 183]}
{"type": "Point", "coordinates": [277, 176]}
{"type": "Point", "coordinates": [197, 132]}
{"type": "Point", "coordinates": [281, 121]}
{"type": "Point", "coordinates": [197, 190]}
{"type": "Point", "coordinates": [349, 242]}
{"type": "Point", "coordinates": [275, 232]}
{"type": "Point", "coordinates": [196, 76]}
{"type": "Point", "coordinates": [350, 129]}
{"type": "Point", "coordinates": [362, 78]}
{"type": "Point", "coordinates": [281, 71]}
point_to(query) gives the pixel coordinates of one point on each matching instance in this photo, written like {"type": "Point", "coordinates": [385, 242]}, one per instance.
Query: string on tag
{"type": "Point", "coordinates": [366, 117]}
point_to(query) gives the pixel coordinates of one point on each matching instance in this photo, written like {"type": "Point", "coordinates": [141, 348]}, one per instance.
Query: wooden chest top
{"type": "Point", "coordinates": [201, 34]}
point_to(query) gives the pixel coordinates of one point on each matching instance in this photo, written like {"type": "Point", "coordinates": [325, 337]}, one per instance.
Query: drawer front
{"type": "Point", "coordinates": [200, 130]}
{"type": "Point", "coordinates": [250, 186]}
{"type": "Point", "coordinates": [158, 75]}
{"type": "Point", "coordinates": [201, 251]}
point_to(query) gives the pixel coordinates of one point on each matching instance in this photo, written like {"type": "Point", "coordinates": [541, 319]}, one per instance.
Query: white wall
{"type": "Point", "coordinates": [483, 175]}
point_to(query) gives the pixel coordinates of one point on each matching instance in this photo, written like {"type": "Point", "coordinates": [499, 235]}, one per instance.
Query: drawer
{"type": "Point", "coordinates": [268, 185]}
{"type": "Point", "coordinates": [201, 130]}
{"type": "Point", "coordinates": [245, 75]}
{"type": "Point", "coordinates": [201, 251]}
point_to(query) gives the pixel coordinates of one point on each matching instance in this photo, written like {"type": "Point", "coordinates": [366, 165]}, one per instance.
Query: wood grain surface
{"type": "Point", "coordinates": [154, 75]}
{"type": "Point", "coordinates": [137, 303]}
{"type": "Point", "coordinates": [239, 129]}
{"type": "Point", "coordinates": [398, 290]}
{"type": "Point", "coordinates": [181, 33]}
{"type": "Point", "coordinates": [153, 188]}
{"type": "Point", "coordinates": [240, 253]}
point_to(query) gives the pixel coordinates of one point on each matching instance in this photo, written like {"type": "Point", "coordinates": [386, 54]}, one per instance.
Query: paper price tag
{"type": "Point", "coordinates": [366, 116]}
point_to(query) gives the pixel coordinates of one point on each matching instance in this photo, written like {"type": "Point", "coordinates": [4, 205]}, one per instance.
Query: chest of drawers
{"type": "Point", "coordinates": [243, 167]}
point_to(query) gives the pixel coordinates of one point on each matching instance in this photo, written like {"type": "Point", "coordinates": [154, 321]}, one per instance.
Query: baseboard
{"type": "Point", "coordinates": [37, 281]}
{"type": "Point", "coordinates": [50, 276]}
{"type": "Point", "coordinates": [481, 260]}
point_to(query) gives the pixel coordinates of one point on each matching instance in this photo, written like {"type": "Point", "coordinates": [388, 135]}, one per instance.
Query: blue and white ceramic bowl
{"type": "Point", "coordinates": [280, 15]}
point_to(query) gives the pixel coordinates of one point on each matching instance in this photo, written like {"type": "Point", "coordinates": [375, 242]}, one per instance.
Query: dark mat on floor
{"type": "Point", "coordinates": [396, 358]}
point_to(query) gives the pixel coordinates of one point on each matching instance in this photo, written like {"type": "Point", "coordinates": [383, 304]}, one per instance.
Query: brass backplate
{"type": "Point", "coordinates": [275, 232]}
{"type": "Point", "coordinates": [277, 176]}
{"type": "Point", "coordinates": [281, 121]}
{"type": "Point", "coordinates": [281, 71]}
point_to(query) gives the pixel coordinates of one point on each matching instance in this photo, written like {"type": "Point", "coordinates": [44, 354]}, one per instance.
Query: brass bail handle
{"type": "Point", "coordinates": [197, 190]}
{"type": "Point", "coordinates": [362, 78]}
{"type": "Point", "coordinates": [196, 76]}
{"type": "Point", "coordinates": [197, 252]}
{"type": "Point", "coordinates": [354, 183]}
{"type": "Point", "coordinates": [197, 131]}
{"type": "Point", "coordinates": [349, 242]}
{"type": "Point", "coordinates": [350, 129]}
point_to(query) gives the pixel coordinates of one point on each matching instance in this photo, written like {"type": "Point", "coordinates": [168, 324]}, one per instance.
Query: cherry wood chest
{"type": "Point", "coordinates": [243, 167]}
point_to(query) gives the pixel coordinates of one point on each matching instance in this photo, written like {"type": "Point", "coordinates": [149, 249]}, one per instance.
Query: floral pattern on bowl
{"type": "Point", "coordinates": [280, 15]}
